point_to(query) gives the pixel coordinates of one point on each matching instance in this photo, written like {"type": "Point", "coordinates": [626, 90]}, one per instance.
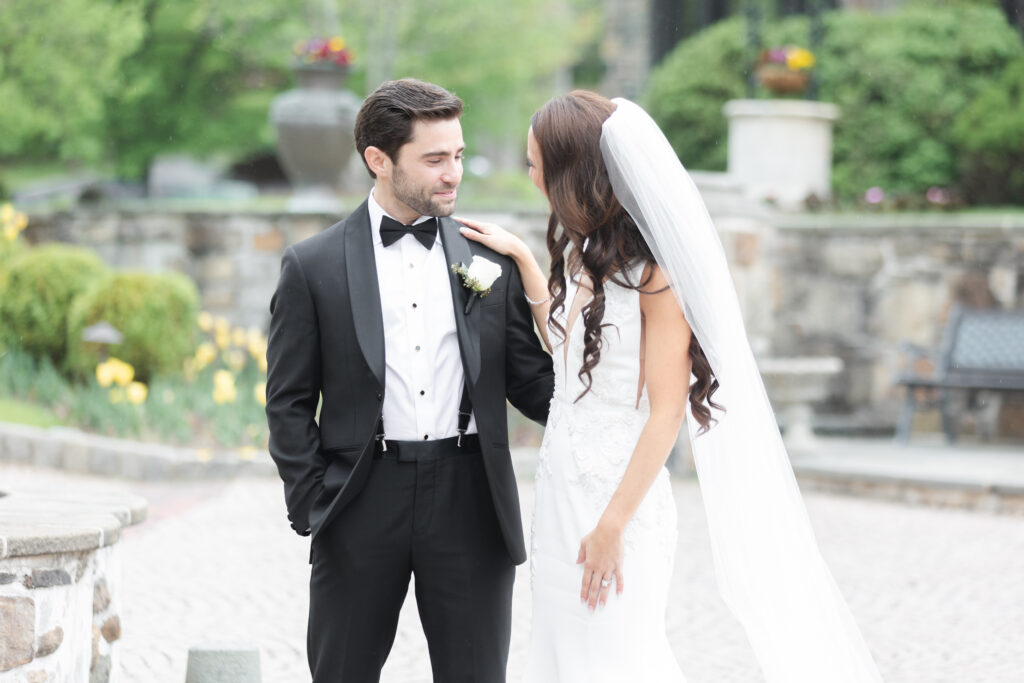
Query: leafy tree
{"type": "Point", "coordinates": [503, 59]}
{"type": "Point", "coordinates": [202, 78]}
{"type": "Point", "coordinates": [900, 79]}
{"type": "Point", "coordinates": [59, 60]}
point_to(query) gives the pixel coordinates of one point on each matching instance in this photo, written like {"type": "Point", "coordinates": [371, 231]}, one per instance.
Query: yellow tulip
{"type": "Point", "coordinates": [136, 393]}
{"type": "Point", "coordinates": [20, 221]}
{"type": "Point", "coordinates": [122, 372]}
{"type": "Point", "coordinates": [246, 453]}
{"type": "Point", "coordinates": [222, 338]}
{"type": "Point", "coordinates": [10, 232]}
{"type": "Point", "coordinates": [260, 390]}
{"type": "Point", "coordinates": [205, 321]}
{"type": "Point", "coordinates": [235, 359]}
{"type": "Point", "coordinates": [224, 390]}
{"type": "Point", "coordinates": [204, 455]}
{"type": "Point", "coordinates": [206, 353]}
{"type": "Point", "coordinates": [221, 324]}
{"type": "Point", "coordinates": [262, 360]}
{"type": "Point", "coordinates": [238, 337]}
{"type": "Point", "coordinates": [336, 44]}
{"type": "Point", "coordinates": [6, 213]}
{"type": "Point", "coordinates": [105, 374]}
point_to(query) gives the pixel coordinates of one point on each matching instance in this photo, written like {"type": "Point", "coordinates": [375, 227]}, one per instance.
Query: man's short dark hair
{"type": "Point", "coordinates": [386, 118]}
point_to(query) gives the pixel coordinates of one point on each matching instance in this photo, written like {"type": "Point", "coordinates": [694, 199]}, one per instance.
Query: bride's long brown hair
{"type": "Point", "coordinates": [584, 207]}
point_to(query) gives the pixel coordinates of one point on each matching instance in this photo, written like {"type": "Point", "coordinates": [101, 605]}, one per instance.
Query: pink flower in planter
{"type": "Point", "coordinates": [874, 195]}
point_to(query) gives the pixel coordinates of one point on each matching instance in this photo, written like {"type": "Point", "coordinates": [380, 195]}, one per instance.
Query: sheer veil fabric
{"type": "Point", "coordinates": [768, 566]}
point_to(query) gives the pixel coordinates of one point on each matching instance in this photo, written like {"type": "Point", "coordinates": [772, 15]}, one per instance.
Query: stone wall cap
{"type": "Point", "coordinates": [810, 109]}
{"type": "Point", "coordinates": [40, 524]}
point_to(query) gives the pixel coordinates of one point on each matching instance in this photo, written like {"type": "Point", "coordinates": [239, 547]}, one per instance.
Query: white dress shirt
{"type": "Point", "coordinates": [423, 376]}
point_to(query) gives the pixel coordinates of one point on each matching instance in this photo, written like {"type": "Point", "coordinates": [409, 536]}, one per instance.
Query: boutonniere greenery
{"type": "Point", "coordinates": [477, 277]}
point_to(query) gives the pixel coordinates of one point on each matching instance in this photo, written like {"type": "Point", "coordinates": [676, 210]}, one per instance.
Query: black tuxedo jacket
{"type": "Point", "coordinates": [327, 340]}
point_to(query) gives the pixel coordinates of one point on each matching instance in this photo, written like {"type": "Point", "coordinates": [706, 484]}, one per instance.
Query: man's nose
{"type": "Point", "coordinates": [452, 174]}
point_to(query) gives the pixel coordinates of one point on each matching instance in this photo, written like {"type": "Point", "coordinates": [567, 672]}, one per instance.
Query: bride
{"type": "Point", "coordinates": [641, 317]}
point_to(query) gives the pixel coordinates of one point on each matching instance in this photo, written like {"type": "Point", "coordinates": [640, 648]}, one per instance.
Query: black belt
{"type": "Point", "coordinates": [413, 451]}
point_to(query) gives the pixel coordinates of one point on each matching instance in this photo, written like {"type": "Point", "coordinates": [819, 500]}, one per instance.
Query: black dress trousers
{"type": "Point", "coordinates": [433, 519]}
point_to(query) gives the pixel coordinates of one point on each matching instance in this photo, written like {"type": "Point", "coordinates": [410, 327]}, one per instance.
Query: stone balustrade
{"type": "Point", "coordinates": [60, 578]}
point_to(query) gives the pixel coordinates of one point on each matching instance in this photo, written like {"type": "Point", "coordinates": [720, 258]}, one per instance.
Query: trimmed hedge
{"type": "Point", "coordinates": [156, 313]}
{"type": "Point", "coordinates": [990, 133]}
{"type": "Point", "coordinates": [38, 289]}
{"type": "Point", "coordinates": [901, 80]}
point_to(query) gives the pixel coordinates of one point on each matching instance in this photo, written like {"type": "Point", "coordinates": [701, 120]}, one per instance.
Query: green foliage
{"type": "Point", "coordinates": [201, 80]}
{"type": "Point", "coordinates": [9, 251]}
{"type": "Point", "coordinates": [900, 80]}
{"type": "Point", "coordinates": [501, 58]}
{"type": "Point", "coordinates": [38, 292]}
{"type": "Point", "coordinates": [156, 313]}
{"type": "Point", "coordinates": [687, 91]}
{"type": "Point", "coordinates": [990, 133]}
{"type": "Point", "coordinates": [59, 61]}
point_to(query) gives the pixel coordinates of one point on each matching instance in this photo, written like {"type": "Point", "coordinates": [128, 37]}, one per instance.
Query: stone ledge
{"type": "Point", "coordinates": [76, 451]}
{"type": "Point", "coordinates": [39, 524]}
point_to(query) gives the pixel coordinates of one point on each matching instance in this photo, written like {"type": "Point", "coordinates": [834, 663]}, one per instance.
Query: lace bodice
{"type": "Point", "coordinates": [603, 426]}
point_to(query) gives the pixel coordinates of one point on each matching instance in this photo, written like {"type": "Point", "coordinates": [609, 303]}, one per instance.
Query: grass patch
{"type": "Point", "coordinates": [20, 412]}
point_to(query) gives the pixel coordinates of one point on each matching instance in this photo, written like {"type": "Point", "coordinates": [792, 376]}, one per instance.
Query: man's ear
{"type": "Point", "coordinates": [378, 161]}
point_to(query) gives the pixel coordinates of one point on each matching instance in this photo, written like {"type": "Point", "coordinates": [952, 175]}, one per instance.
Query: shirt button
{"type": "Point", "coordinates": [414, 306]}
{"type": "Point", "coordinates": [422, 392]}
{"type": "Point", "coordinates": [417, 348]}
{"type": "Point", "coordinates": [425, 437]}
{"type": "Point", "coordinates": [412, 265]}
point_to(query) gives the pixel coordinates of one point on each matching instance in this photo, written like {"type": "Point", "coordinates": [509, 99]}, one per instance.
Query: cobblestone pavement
{"type": "Point", "coordinates": [939, 594]}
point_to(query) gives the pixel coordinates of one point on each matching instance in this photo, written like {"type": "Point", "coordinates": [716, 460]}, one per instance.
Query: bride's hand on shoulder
{"type": "Point", "coordinates": [492, 236]}
{"type": "Point", "coordinates": [601, 556]}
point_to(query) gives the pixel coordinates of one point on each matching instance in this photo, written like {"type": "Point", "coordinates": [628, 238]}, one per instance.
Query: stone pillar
{"type": "Point", "coordinates": [60, 572]}
{"type": "Point", "coordinates": [781, 150]}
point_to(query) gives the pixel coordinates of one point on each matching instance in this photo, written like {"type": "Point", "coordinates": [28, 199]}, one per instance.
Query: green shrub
{"type": "Point", "coordinates": [38, 290]}
{"type": "Point", "coordinates": [9, 251]}
{"type": "Point", "coordinates": [990, 133]}
{"type": "Point", "coordinates": [156, 313]}
{"type": "Point", "coordinates": [900, 79]}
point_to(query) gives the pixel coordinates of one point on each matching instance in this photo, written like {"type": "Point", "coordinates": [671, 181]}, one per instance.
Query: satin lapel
{"type": "Point", "coordinates": [456, 250]}
{"type": "Point", "coordinates": [364, 291]}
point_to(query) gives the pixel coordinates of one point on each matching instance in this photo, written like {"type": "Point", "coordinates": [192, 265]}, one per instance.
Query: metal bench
{"type": "Point", "coordinates": [982, 350]}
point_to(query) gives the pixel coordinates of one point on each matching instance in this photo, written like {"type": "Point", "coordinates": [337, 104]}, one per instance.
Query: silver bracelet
{"type": "Point", "coordinates": [535, 303]}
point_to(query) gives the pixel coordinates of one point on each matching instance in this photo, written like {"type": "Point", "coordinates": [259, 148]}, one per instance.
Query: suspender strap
{"type": "Point", "coordinates": [465, 412]}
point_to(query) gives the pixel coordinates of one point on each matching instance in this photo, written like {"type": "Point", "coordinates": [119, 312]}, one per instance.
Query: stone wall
{"type": "Point", "coordinates": [861, 287]}
{"type": "Point", "coordinates": [60, 578]}
{"type": "Point", "coordinates": [854, 286]}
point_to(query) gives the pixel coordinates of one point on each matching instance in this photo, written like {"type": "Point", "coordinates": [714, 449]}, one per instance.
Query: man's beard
{"type": "Point", "coordinates": [419, 199]}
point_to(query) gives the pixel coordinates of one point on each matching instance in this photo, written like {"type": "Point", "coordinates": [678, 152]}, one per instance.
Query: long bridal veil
{"type": "Point", "coordinates": [769, 570]}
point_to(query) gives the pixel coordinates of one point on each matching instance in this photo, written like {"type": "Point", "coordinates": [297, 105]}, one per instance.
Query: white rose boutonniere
{"type": "Point", "coordinates": [477, 278]}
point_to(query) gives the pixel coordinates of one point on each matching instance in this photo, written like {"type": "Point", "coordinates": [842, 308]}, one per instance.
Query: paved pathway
{"type": "Point", "coordinates": [939, 594]}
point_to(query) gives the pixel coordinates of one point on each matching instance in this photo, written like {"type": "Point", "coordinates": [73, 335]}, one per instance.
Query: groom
{"type": "Point", "coordinates": [407, 470]}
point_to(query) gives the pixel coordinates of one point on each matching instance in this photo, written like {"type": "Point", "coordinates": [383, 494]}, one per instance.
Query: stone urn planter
{"type": "Point", "coordinates": [314, 125]}
{"type": "Point", "coordinates": [781, 150]}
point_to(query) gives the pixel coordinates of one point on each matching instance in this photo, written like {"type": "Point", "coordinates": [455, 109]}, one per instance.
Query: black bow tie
{"type": "Point", "coordinates": [391, 231]}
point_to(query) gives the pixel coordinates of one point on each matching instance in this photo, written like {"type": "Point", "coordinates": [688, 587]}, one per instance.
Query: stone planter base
{"type": "Point", "coordinates": [781, 150]}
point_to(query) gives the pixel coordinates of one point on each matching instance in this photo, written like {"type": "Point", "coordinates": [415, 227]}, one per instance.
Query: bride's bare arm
{"type": "Point", "coordinates": [667, 362]}
{"type": "Point", "coordinates": [535, 283]}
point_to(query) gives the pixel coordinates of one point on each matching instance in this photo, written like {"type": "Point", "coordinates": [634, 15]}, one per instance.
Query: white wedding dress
{"type": "Point", "coordinates": [586, 447]}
